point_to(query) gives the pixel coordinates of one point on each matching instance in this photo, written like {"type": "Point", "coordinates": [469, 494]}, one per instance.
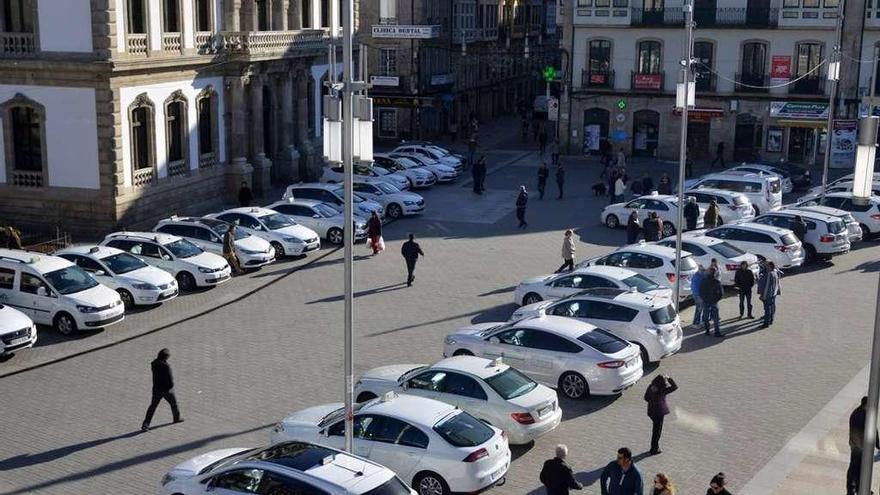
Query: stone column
{"type": "Point", "coordinates": [303, 140]}
{"type": "Point", "coordinates": [279, 15]}
{"type": "Point", "coordinates": [294, 14]}
{"type": "Point", "coordinates": [238, 168]}
{"type": "Point", "coordinates": [232, 15]}
{"type": "Point", "coordinates": [248, 15]}
{"type": "Point", "coordinates": [289, 156]}
{"type": "Point", "coordinates": [262, 165]}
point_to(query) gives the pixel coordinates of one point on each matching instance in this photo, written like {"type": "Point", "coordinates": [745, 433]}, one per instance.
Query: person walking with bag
{"type": "Point", "coordinates": [557, 476]}
{"type": "Point", "coordinates": [658, 408]}
{"type": "Point", "coordinates": [163, 388]}
{"type": "Point", "coordinates": [768, 289]}
{"type": "Point", "coordinates": [711, 292]}
{"type": "Point", "coordinates": [543, 174]}
{"type": "Point", "coordinates": [522, 199]}
{"type": "Point", "coordinates": [410, 250]}
{"type": "Point", "coordinates": [567, 252]}
{"type": "Point", "coordinates": [374, 233]}
{"type": "Point", "coordinates": [633, 228]}
{"type": "Point", "coordinates": [744, 280]}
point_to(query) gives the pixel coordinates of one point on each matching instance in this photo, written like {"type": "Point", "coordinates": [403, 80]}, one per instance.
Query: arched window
{"type": "Point", "coordinates": [141, 115]}
{"type": "Point", "coordinates": [206, 103]}
{"type": "Point", "coordinates": [25, 141]}
{"type": "Point", "coordinates": [176, 133]}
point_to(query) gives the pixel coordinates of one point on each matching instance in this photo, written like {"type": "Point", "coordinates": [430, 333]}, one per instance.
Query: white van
{"type": "Point", "coordinates": [763, 190]}
{"type": "Point", "coordinates": [54, 291]}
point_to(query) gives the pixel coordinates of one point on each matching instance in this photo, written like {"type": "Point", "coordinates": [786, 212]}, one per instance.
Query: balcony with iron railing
{"type": "Point", "coordinates": [764, 17]}
{"type": "Point", "coordinates": [752, 83]}
{"type": "Point", "coordinates": [647, 81]}
{"type": "Point", "coordinates": [597, 79]}
{"type": "Point", "coordinates": [266, 43]}
{"type": "Point", "coordinates": [17, 44]}
{"type": "Point", "coordinates": [465, 35]}
{"type": "Point", "coordinates": [809, 85]}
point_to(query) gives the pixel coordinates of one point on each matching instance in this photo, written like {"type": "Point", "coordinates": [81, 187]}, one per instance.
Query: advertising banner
{"type": "Point", "coordinates": [843, 143]}
{"type": "Point", "coordinates": [780, 69]}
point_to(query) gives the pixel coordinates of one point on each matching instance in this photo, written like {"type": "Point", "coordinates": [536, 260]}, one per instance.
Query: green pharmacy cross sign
{"type": "Point", "coordinates": [621, 104]}
{"type": "Point", "coordinates": [549, 73]}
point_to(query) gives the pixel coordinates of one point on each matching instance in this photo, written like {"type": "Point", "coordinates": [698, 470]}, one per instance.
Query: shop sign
{"type": "Point", "coordinates": [701, 115]}
{"type": "Point", "coordinates": [385, 81]}
{"type": "Point", "coordinates": [843, 143]}
{"type": "Point", "coordinates": [780, 68]}
{"type": "Point", "coordinates": [402, 101]}
{"type": "Point", "coordinates": [798, 110]}
{"type": "Point", "coordinates": [406, 32]}
{"type": "Point", "coordinates": [648, 81]}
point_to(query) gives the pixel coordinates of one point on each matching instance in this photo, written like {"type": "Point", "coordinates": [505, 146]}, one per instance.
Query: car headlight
{"type": "Point", "coordinates": [87, 309]}
{"type": "Point", "coordinates": [450, 341]}
{"type": "Point", "coordinates": [409, 203]}
{"type": "Point", "coordinates": [144, 286]}
{"type": "Point", "coordinates": [250, 251]}
{"type": "Point", "coordinates": [293, 240]}
{"type": "Point", "coordinates": [168, 478]}
{"type": "Point", "coordinates": [206, 270]}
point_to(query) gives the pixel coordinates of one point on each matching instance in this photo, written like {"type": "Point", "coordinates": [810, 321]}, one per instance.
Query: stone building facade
{"type": "Point", "coordinates": [761, 70]}
{"type": "Point", "coordinates": [115, 113]}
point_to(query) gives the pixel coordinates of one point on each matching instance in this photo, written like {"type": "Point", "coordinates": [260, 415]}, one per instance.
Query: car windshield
{"type": "Point", "coordinates": [640, 282]}
{"type": "Point", "coordinates": [740, 200]}
{"type": "Point", "coordinates": [687, 263]}
{"type": "Point", "coordinates": [663, 315]}
{"type": "Point", "coordinates": [182, 248]}
{"type": "Point", "coordinates": [386, 188]}
{"type": "Point", "coordinates": [727, 250]}
{"type": "Point", "coordinates": [326, 210]}
{"type": "Point", "coordinates": [394, 486]}
{"type": "Point", "coordinates": [836, 227]}
{"type": "Point", "coordinates": [70, 280]}
{"type": "Point", "coordinates": [275, 221]}
{"type": "Point", "coordinates": [220, 229]}
{"type": "Point", "coordinates": [463, 430]}
{"type": "Point", "coordinates": [510, 384]}
{"type": "Point", "coordinates": [380, 171]}
{"type": "Point", "coordinates": [230, 459]}
{"type": "Point", "coordinates": [341, 193]}
{"type": "Point", "coordinates": [123, 263]}
{"type": "Point", "coordinates": [603, 341]}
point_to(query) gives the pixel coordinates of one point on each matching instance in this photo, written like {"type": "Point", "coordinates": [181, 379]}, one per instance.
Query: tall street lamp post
{"type": "Point", "coordinates": [685, 97]}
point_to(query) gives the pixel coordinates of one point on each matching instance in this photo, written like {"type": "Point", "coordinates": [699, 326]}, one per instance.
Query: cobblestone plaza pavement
{"type": "Point", "coordinates": [253, 350]}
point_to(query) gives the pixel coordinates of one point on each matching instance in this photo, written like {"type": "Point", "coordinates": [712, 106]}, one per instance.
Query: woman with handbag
{"type": "Point", "coordinates": [374, 233]}
{"type": "Point", "coordinates": [655, 396]}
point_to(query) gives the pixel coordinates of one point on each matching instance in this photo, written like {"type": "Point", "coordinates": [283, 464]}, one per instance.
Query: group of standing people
{"type": "Point", "coordinates": [651, 228]}
{"type": "Point", "coordinates": [10, 237]}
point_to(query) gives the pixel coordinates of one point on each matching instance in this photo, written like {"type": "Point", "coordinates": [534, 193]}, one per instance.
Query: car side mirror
{"type": "Point", "coordinates": [405, 385]}
{"type": "Point", "coordinates": [494, 340]}
{"type": "Point", "coordinates": [215, 239]}
{"type": "Point", "coordinates": [41, 291]}
{"type": "Point", "coordinates": [99, 273]}
{"type": "Point", "coordinates": [316, 216]}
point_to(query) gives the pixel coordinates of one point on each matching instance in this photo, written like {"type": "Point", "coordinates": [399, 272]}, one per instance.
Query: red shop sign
{"type": "Point", "coordinates": [648, 81]}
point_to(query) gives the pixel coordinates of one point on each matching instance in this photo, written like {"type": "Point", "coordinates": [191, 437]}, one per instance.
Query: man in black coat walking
{"type": "Point", "coordinates": [711, 293]}
{"type": "Point", "coordinates": [410, 250]}
{"type": "Point", "coordinates": [691, 213]}
{"type": "Point", "coordinates": [522, 199]}
{"type": "Point", "coordinates": [557, 476]}
{"type": "Point", "coordinates": [479, 174]}
{"type": "Point", "coordinates": [744, 280]}
{"type": "Point", "coordinates": [163, 388]}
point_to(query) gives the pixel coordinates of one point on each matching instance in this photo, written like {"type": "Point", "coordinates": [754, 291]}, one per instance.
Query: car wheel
{"type": "Point", "coordinates": [531, 298]}
{"type": "Point", "coordinates": [428, 483]}
{"type": "Point", "coordinates": [612, 222]}
{"type": "Point", "coordinates": [127, 298]}
{"type": "Point", "coordinates": [668, 229]}
{"type": "Point", "coordinates": [573, 385]}
{"type": "Point", "coordinates": [186, 281]}
{"type": "Point", "coordinates": [866, 233]}
{"type": "Point", "coordinates": [335, 236]}
{"type": "Point", "coordinates": [65, 324]}
{"type": "Point", "coordinates": [462, 352]}
{"type": "Point", "coordinates": [394, 211]}
{"type": "Point", "coordinates": [365, 396]}
{"type": "Point", "coordinates": [279, 249]}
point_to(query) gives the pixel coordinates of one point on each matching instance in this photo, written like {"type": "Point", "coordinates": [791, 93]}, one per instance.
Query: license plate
{"type": "Point", "coordinates": [544, 411]}
{"type": "Point", "coordinates": [497, 474]}
{"type": "Point", "coordinates": [18, 341]}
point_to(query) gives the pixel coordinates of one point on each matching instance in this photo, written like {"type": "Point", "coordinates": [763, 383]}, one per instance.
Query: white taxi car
{"type": "Point", "coordinates": [286, 236]}
{"type": "Point", "coordinates": [191, 265]}
{"type": "Point", "coordinates": [437, 448]}
{"type": "Point", "coordinates": [764, 241]}
{"type": "Point", "coordinates": [556, 285]}
{"type": "Point", "coordinates": [17, 331]}
{"type": "Point", "coordinates": [441, 171]}
{"type": "Point", "coordinates": [826, 235]}
{"type": "Point", "coordinates": [415, 175]}
{"type": "Point", "coordinates": [323, 218]}
{"type": "Point", "coordinates": [53, 291]}
{"type": "Point", "coordinates": [665, 206]}
{"type": "Point", "coordinates": [137, 283]}
{"type": "Point", "coordinates": [208, 233]}
{"type": "Point", "coordinates": [760, 168]}
{"type": "Point", "coordinates": [432, 152]}
{"type": "Point", "coordinates": [868, 215]}
{"type": "Point", "coordinates": [704, 249]}
{"type": "Point", "coordinates": [648, 321]}
{"type": "Point", "coordinates": [574, 357]}
{"type": "Point", "coordinates": [490, 390]}
{"type": "Point", "coordinates": [654, 262]}
{"type": "Point", "coordinates": [333, 194]}
{"type": "Point", "coordinates": [396, 202]}
{"type": "Point", "coordinates": [288, 468]}
{"type": "Point", "coordinates": [853, 229]}
{"type": "Point", "coordinates": [732, 206]}
{"type": "Point", "coordinates": [335, 175]}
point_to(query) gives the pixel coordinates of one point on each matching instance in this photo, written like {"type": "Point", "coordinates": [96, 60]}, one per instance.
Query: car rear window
{"type": "Point", "coordinates": [836, 226]}
{"type": "Point", "coordinates": [663, 316]}
{"type": "Point", "coordinates": [603, 341]}
{"type": "Point", "coordinates": [510, 384]}
{"type": "Point", "coordinates": [727, 250]}
{"type": "Point", "coordinates": [394, 486]}
{"type": "Point", "coordinates": [789, 239]}
{"type": "Point", "coordinates": [687, 263]}
{"type": "Point", "coordinates": [740, 200]}
{"type": "Point", "coordinates": [640, 282]}
{"type": "Point", "coordinates": [464, 430]}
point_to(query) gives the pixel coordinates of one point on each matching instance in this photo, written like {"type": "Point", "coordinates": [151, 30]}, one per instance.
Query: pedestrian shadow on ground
{"type": "Point", "coordinates": [696, 340]}
{"type": "Point", "coordinates": [422, 324]}
{"type": "Point", "coordinates": [368, 292]}
{"type": "Point", "coordinates": [866, 267]}
{"type": "Point", "coordinates": [517, 451]}
{"type": "Point", "coordinates": [502, 290]}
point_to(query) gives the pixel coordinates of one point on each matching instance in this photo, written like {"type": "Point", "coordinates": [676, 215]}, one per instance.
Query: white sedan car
{"type": "Point", "coordinates": [335, 175]}
{"type": "Point", "coordinates": [137, 283]}
{"type": "Point", "coordinates": [323, 218]}
{"type": "Point", "coordinates": [556, 285]}
{"type": "Point", "coordinates": [417, 176]}
{"type": "Point", "coordinates": [666, 207]}
{"type": "Point", "coordinates": [569, 355]}
{"type": "Point", "coordinates": [765, 241]}
{"type": "Point", "coordinates": [654, 262]}
{"type": "Point", "coordinates": [732, 206]}
{"type": "Point", "coordinates": [648, 321]}
{"type": "Point", "coordinates": [17, 331]}
{"type": "Point", "coordinates": [438, 448]}
{"type": "Point", "coordinates": [432, 152]}
{"type": "Point", "coordinates": [489, 390]}
{"type": "Point", "coordinates": [442, 172]}
{"type": "Point", "coordinates": [208, 233]}
{"type": "Point", "coordinates": [760, 168]}
{"type": "Point", "coordinates": [286, 236]}
{"type": "Point", "coordinates": [289, 468]}
{"type": "Point", "coordinates": [396, 202]}
{"type": "Point", "coordinates": [705, 249]}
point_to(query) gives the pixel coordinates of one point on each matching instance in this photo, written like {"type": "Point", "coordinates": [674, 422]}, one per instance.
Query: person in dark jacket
{"type": "Point", "coordinates": [479, 174]}
{"type": "Point", "coordinates": [647, 184]}
{"type": "Point", "coordinates": [768, 290]}
{"type": "Point", "coordinates": [665, 186]}
{"type": "Point", "coordinates": [557, 476]}
{"type": "Point", "coordinates": [522, 199]}
{"type": "Point", "coordinates": [691, 213]}
{"type": "Point", "coordinates": [719, 155]}
{"type": "Point", "coordinates": [716, 486]}
{"type": "Point", "coordinates": [621, 477]}
{"type": "Point", "coordinates": [633, 228]}
{"type": "Point", "coordinates": [744, 280]}
{"type": "Point", "coordinates": [245, 196]}
{"type": "Point", "coordinates": [799, 228]}
{"type": "Point", "coordinates": [856, 446]}
{"type": "Point", "coordinates": [410, 250]}
{"type": "Point", "coordinates": [163, 388]}
{"type": "Point", "coordinates": [543, 174]}
{"type": "Point", "coordinates": [655, 396]}
{"type": "Point", "coordinates": [560, 179]}
{"type": "Point", "coordinates": [653, 227]}
{"type": "Point", "coordinates": [710, 219]}
{"type": "Point", "coordinates": [374, 232]}
{"type": "Point", "coordinates": [711, 293]}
